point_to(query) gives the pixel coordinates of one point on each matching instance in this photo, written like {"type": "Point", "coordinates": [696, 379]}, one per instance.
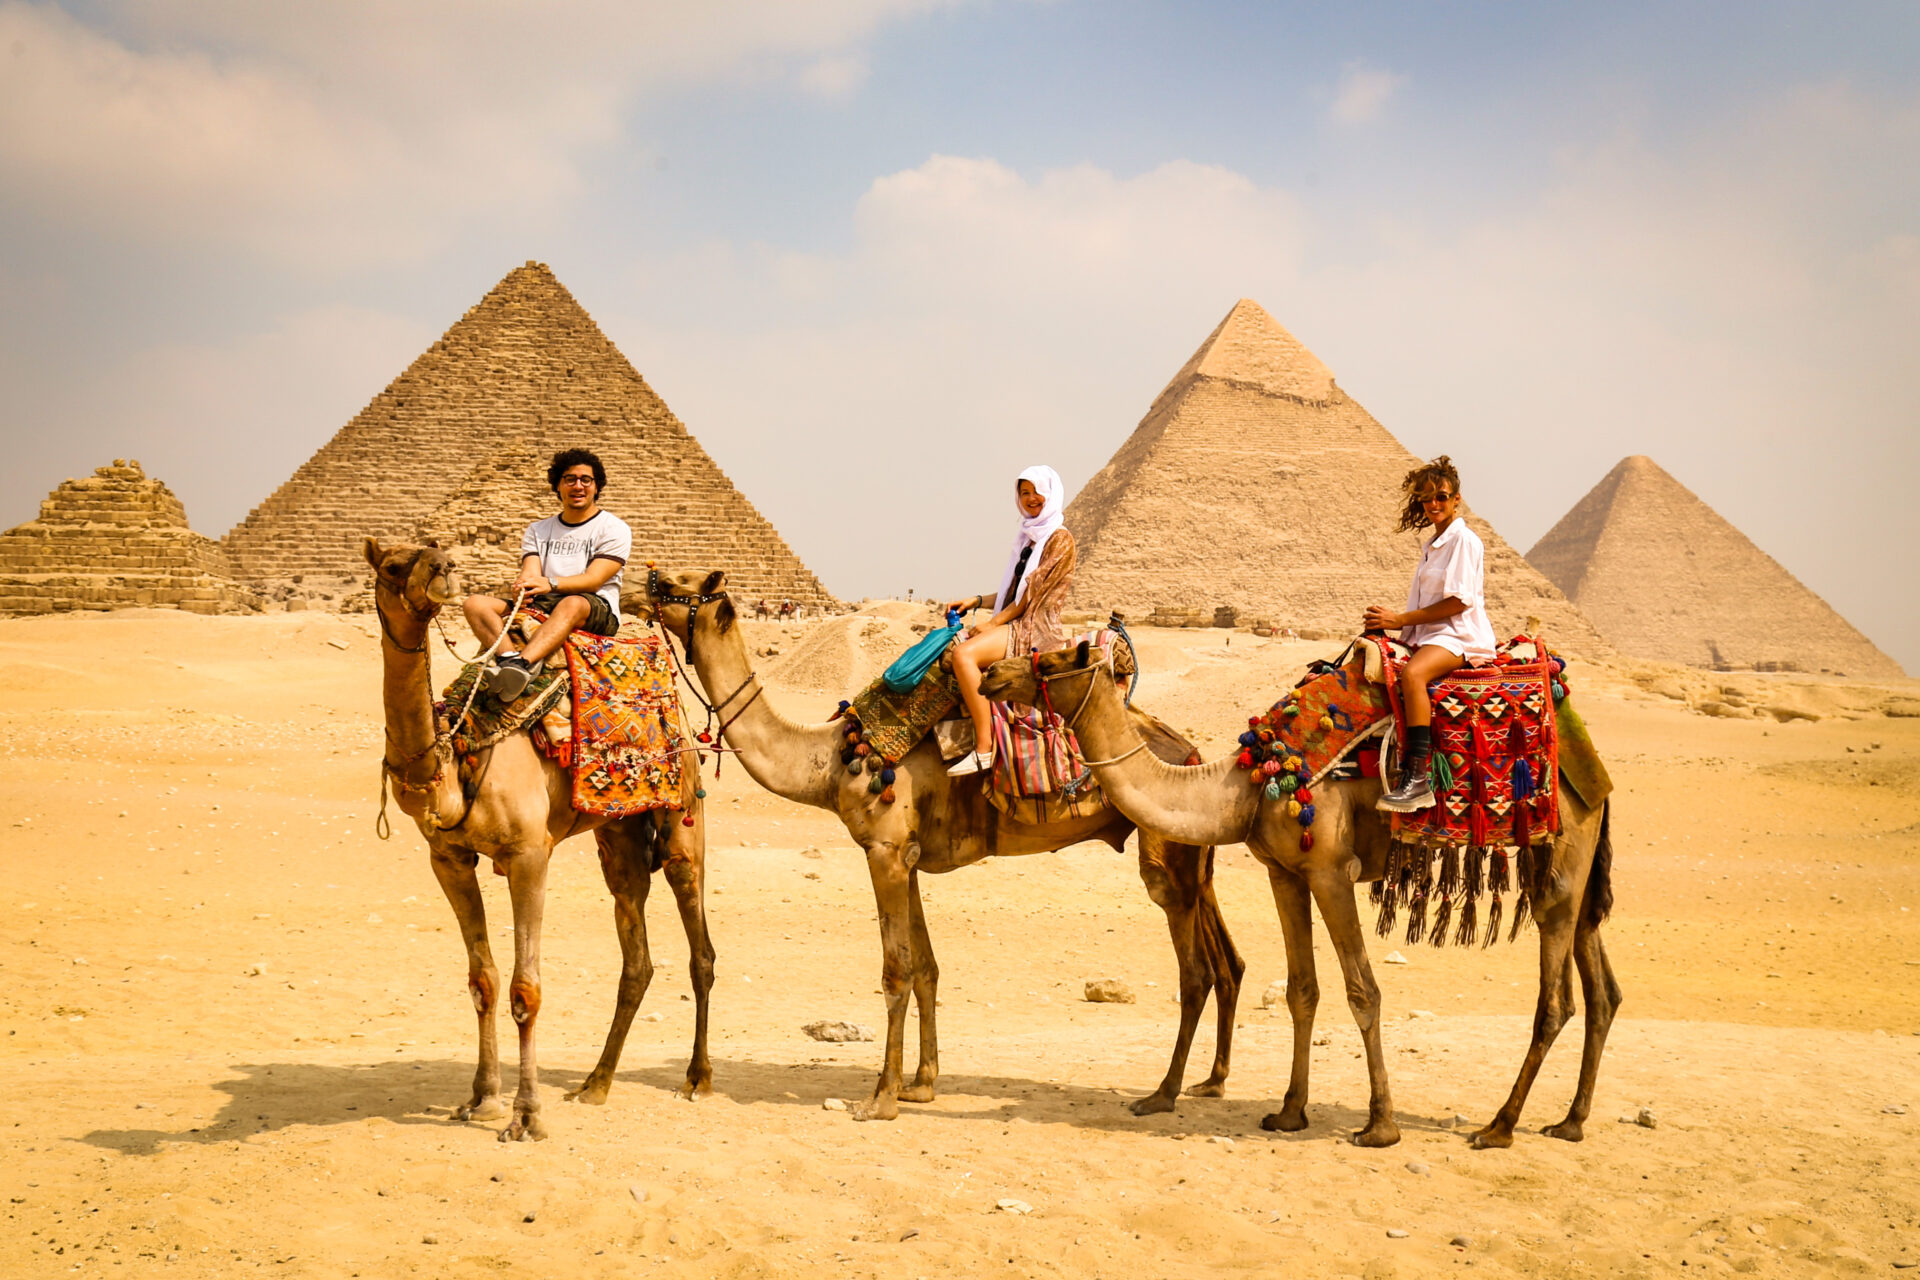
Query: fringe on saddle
{"type": "Point", "coordinates": [1452, 880]}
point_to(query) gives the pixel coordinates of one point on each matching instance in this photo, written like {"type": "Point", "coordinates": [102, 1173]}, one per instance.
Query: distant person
{"type": "Point", "coordinates": [570, 564]}
{"type": "Point", "coordinates": [1026, 616]}
{"type": "Point", "coordinates": [1445, 621]}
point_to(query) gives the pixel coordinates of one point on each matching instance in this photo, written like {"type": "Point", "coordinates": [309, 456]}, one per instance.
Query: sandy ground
{"type": "Point", "coordinates": [236, 1021]}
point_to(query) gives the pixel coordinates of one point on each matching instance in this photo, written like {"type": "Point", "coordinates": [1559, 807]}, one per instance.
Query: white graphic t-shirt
{"type": "Point", "coordinates": [566, 549]}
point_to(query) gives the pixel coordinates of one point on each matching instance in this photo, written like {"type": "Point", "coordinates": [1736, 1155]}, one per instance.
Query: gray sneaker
{"type": "Point", "coordinates": [509, 678]}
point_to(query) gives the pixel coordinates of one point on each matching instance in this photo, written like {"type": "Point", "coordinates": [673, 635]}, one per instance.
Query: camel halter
{"type": "Point", "coordinates": [1091, 671]}
{"type": "Point", "coordinates": [709, 738]}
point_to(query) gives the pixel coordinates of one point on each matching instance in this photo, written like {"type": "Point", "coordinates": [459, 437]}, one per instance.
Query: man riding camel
{"type": "Point", "coordinates": [570, 565]}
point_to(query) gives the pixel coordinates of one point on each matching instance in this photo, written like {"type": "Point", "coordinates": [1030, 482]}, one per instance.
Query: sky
{"type": "Point", "coordinates": [880, 255]}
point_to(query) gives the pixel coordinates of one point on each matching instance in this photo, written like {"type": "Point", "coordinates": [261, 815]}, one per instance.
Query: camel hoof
{"type": "Point", "coordinates": [917, 1093]}
{"type": "Point", "coordinates": [694, 1090]}
{"type": "Point", "coordinates": [1208, 1089]}
{"type": "Point", "coordinates": [1153, 1104]}
{"type": "Point", "coordinates": [1381, 1133]}
{"type": "Point", "coordinates": [877, 1108]}
{"type": "Point", "coordinates": [1285, 1121]}
{"type": "Point", "coordinates": [1567, 1131]}
{"type": "Point", "coordinates": [481, 1109]}
{"type": "Point", "coordinates": [1491, 1138]}
{"type": "Point", "coordinates": [592, 1092]}
{"type": "Point", "coordinates": [525, 1129]}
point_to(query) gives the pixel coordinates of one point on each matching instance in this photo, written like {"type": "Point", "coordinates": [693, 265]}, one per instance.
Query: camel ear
{"type": "Point", "coordinates": [715, 580]}
{"type": "Point", "coordinates": [373, 551]}
{"type": "Point", "coordinates": [434, 543]}
{"type": "Point", "coordinates": [1080, 655]}
{"type": "Point", "coordinates": [723, 613]}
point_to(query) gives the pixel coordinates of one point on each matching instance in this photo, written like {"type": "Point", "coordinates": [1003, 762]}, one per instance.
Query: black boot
{"type": "Point", "coordinates": [1415, 791]}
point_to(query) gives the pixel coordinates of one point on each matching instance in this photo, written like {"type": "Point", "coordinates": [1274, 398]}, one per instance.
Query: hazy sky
{"type": "Point", "coordinates": [879, 255]}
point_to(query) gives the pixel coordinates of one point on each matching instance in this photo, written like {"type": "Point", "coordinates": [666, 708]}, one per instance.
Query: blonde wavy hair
{"type": "Point", "coordinates": [1436, 476]}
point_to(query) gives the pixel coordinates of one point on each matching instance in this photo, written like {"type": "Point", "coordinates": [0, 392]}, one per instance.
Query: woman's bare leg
{"type": "Point", "coordinates": [1428, 664]}
{"type": "Point", "coordinates": [984, 649]}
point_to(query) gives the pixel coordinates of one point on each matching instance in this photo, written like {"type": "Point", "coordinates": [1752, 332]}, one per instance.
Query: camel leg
{"type": "Point", "coordinates": [1222, 959]}
{"type": "Point", "coordinates": [887, 865]}
{"type": "Point", "coordinates": [1173, 887]}
{"type": "Point", "coordinates": [926, 991]}
{"type": "Point", "coordinates": [685, 870]}
{"type": "Point", "coordinates": [1295, 905]}
{"type": "Point", "coordinates": [1551, 1012]}
{"type": "Point", "coordinates": [455, 871]}
{"type": "Point", "coordinates": [1602, 996]}
{"type": "Point", "coordinates": [527, 883]}
{"type": "Point", "coordinates": [625, 866]}
{"type": "Point", "coordinates": [1333, 891]}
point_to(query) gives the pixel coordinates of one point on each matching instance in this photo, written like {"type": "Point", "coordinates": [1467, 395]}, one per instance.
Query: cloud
{"type": "Point", "coordinates": [363, 134]}
{"type": "Point", "coordinates": [1363, 93]}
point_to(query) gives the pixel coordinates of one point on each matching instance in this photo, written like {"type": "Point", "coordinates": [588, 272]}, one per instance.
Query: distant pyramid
{"type": "Point", "coordinates": [115, 540]}
{"type": "Point", "coordinates": [458, 446]}
{"type": "Point", "coordinates": [1663, 576]}
{"type": "Point", "coordinates": [1255, 482]}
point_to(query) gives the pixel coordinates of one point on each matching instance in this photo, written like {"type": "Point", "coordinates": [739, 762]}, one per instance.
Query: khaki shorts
{"type": "Point", "coordinates": [600, 619]}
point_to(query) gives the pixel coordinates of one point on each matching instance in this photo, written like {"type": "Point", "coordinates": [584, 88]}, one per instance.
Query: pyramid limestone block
{"type": "Point", "coordinates": [457, 447]}
{"type": "Point", "coordinates": [1665, 577]}
{"type": "Point", "coordinates": [1254, 483]}
{"type": "Point", "coordinates": [114, 540]}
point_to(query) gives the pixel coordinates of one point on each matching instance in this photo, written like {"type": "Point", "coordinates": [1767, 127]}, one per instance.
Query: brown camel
{"type": "Point", "coordinates": [519, 809]}
{"type": "Point", "coordinates": [938, 824]}
{"type": "Point", "coordinates": [1215, 803]}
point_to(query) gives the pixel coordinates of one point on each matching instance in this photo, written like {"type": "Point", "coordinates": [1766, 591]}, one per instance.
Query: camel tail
{"type": "Point", "coordinates": [1599, 899]}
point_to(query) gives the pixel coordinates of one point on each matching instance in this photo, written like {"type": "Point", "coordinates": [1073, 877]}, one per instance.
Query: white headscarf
{"type": "Point", "coordinates": [1034, 530]}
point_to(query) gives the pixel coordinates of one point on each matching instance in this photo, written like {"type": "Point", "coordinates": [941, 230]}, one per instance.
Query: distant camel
{"type": "Point", "coordinates": [520, 808]}
{"type": "Point", "coordinates": [1216, 803]}
{"type": "Point", "coordinates": [937, 824]}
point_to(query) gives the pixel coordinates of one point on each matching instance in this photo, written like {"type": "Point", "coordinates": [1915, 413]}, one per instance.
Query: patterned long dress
{"type": "Point", "coordinates": [1038, 629]}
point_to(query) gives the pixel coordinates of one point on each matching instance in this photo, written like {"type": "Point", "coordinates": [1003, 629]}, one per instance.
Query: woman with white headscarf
{"type": "Point", "coordinates": [1026, 608]}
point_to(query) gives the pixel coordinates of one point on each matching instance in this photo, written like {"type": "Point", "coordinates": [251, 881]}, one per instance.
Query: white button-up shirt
{"type": "Point", "coordinates": [1453, 564]}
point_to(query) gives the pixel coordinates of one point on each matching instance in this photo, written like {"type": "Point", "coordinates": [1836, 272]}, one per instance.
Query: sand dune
{"type": "Point", "coordinates": [236, 1021]}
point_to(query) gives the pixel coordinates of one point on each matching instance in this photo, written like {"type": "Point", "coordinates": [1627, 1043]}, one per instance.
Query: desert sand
{"type": "Point", "coordinates": [236, 1021]}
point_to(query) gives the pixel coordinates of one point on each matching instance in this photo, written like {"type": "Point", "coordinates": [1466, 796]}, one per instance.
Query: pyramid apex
{"type": "Point", "coordinates": [1249, 346]}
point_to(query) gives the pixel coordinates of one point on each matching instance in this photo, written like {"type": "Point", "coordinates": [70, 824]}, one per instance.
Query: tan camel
{"type": "Point", "coordinates": [1214, 803]}
{"type": "Point", "coordinates": [938, 824]}
{"type": "Point", "coordinates": [519, 809]}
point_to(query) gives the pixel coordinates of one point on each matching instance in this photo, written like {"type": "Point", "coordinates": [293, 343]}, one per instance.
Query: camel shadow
{"type": "Point", "coordinates": [267, 1097]}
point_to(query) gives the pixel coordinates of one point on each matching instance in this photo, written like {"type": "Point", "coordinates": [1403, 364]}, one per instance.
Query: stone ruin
{"type": "Point", "coordinates": [1665, 576]}
{"type": "Point", "coordinates": [457, 447]}
{"type": "Point", "coordinates": [1255, 487]}
{"type": "Point", "coordinates": [115, 540]}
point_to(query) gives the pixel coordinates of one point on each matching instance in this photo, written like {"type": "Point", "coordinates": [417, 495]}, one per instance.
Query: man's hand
{"type": "Point", "coordinates": [535, 583]}
{"type": "Point", "coordinates": [1381, 619]}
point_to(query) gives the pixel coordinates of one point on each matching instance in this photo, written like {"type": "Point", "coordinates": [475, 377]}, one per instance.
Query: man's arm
{"type": "Point", "coordinates": [598, 573]}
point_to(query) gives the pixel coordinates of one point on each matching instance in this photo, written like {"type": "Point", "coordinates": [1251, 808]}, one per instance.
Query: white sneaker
{"type": "Point", "coordinates": [972, 762]}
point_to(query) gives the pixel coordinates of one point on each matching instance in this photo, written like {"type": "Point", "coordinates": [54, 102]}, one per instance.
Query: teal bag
{"type": "Point", "coordinates": [911, 667]}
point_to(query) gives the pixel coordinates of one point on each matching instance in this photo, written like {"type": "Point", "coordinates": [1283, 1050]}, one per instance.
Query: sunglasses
{"type": "Point", "coordinates": [1432, 498]}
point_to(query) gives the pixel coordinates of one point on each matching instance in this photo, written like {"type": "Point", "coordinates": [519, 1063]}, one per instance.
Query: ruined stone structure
{"type": "Point", "coordinates": [457, 447]}
{"type": "Point", "coordinates": [1254, 483]}
{"type": "Point", "coordinates": [114, 540]}
{"type": "Point", "coordinates": [1663, 576]}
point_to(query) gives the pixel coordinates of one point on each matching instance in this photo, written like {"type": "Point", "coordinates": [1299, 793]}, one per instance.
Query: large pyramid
{"type": "Point", "coordinates": [1255, 482]}
{"type": "Point", "coordinates": [116, 539]}
{"type": "Point", "coordinates": [457, 446]}
{"type": "Point", "coordinates": [1664, 577]}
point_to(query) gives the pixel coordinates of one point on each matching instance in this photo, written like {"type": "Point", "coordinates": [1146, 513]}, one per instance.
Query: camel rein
{"type": "Point", "coordinates": [709, 738]}
{"type": "Point", "coordinates": [1045, 680]}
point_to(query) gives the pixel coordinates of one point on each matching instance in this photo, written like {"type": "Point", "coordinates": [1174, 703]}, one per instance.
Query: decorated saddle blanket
{"type": "Point", "coordinates": [623, 742]}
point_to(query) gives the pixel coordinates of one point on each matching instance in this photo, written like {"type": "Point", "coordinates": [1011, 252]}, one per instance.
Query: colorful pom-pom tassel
{"type": "Point", "coordinates": [1306, 815]}
{"type": "Point", "coordinates": [886, 776]}
{"type": "Point", "coordinates": [1245, 760]}
{"type": "Point", "coordinates": [1248, 738]}
{"type": "Point", "coordinates": [874, 785]}
{"type": "Point", "coordinates": [1303, 796]}
{"type": "Point", "coordinates": [1522, 780]}
{"type": "Point", "coordinates": [854, 766]}
{"type": "Point", "coordinates": [1306, 841]}
{"type": "Point", "coordinates": [1287, 782]}
{"type": "Point", "coordinates": [699, 793]}
{"type": "Point", "coordinates": [844, 704]}
{"type": "Point", "coordinates": [862, 749]}
{"type": "Point", "coordinates": [687, 821]}
{"type": "Point", "coordinates": [1559, 692]}
{"type": "Point", "coordinates": [1326, 724]}
{"type": "Point", "coordinates": [1293, 808]}
{"type": "Point", "coordinates": [1273, 791]}
{"type": "Point", "coordinates": [703, 736]}
{"type": "Point", "coordinates": [886, 796]}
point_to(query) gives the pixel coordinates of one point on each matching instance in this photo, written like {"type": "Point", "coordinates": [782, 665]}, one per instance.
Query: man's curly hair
{"type": "Point", "coordinates": [567, 459]}
{"type": "Point", "coordinates": [1437, 476]}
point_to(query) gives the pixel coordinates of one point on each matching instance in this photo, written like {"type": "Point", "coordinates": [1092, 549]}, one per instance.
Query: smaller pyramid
{"type": "Point", "coordinates": [1664, 576]}
{"type": "Point", "coordinates": [115, 540]}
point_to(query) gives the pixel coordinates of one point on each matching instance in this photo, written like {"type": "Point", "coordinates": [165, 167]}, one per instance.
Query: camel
{"type": "Point", "coordinates": [1214, 804]}
{"type": "Point", "coordinates": [938, 824]}
{"type": "Point", "coordinates": [519, 809]}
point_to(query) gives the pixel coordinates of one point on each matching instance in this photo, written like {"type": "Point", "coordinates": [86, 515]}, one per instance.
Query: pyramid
{"type": "Point", "coordinates": [1256, 484]}
{"type": "Point", "coordinates": [458, 445]}
{"type": "Point", "coordinates": [1663, 576]}
{"type": "Point", "coordinates": [115, 540]}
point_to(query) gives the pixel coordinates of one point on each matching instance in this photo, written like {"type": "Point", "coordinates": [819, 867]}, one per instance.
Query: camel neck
{"type": "Point", "coordinates": [406, 689]}
{"type": "Point", "coordinates": [791, 760]}
{"type": "Point", "coordinates": [1198, 804]}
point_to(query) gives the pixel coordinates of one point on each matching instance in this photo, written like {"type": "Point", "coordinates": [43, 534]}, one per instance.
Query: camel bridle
{"type": "Point", "coordinates": [709, 737]}
{"type": "Point", "coordinates": [1092, 672]}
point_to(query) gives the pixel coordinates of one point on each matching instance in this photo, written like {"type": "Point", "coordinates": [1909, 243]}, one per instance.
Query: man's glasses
{"type": "Point", "coordinates": [576, 479]}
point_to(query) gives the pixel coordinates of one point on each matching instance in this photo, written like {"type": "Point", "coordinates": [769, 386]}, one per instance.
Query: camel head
{"type": "Point", "coordinates": [668, 597]}
{"type": "Point", "coordinates": [420, 578]}
{"type": "Point", "coordinates": [1066, 671]}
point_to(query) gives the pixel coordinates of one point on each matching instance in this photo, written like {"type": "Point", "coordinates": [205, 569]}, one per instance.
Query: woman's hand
{"type": "Point", "coordinates": [1381, 619]}
{"type": "Point", "coordinates": [963, 606]}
